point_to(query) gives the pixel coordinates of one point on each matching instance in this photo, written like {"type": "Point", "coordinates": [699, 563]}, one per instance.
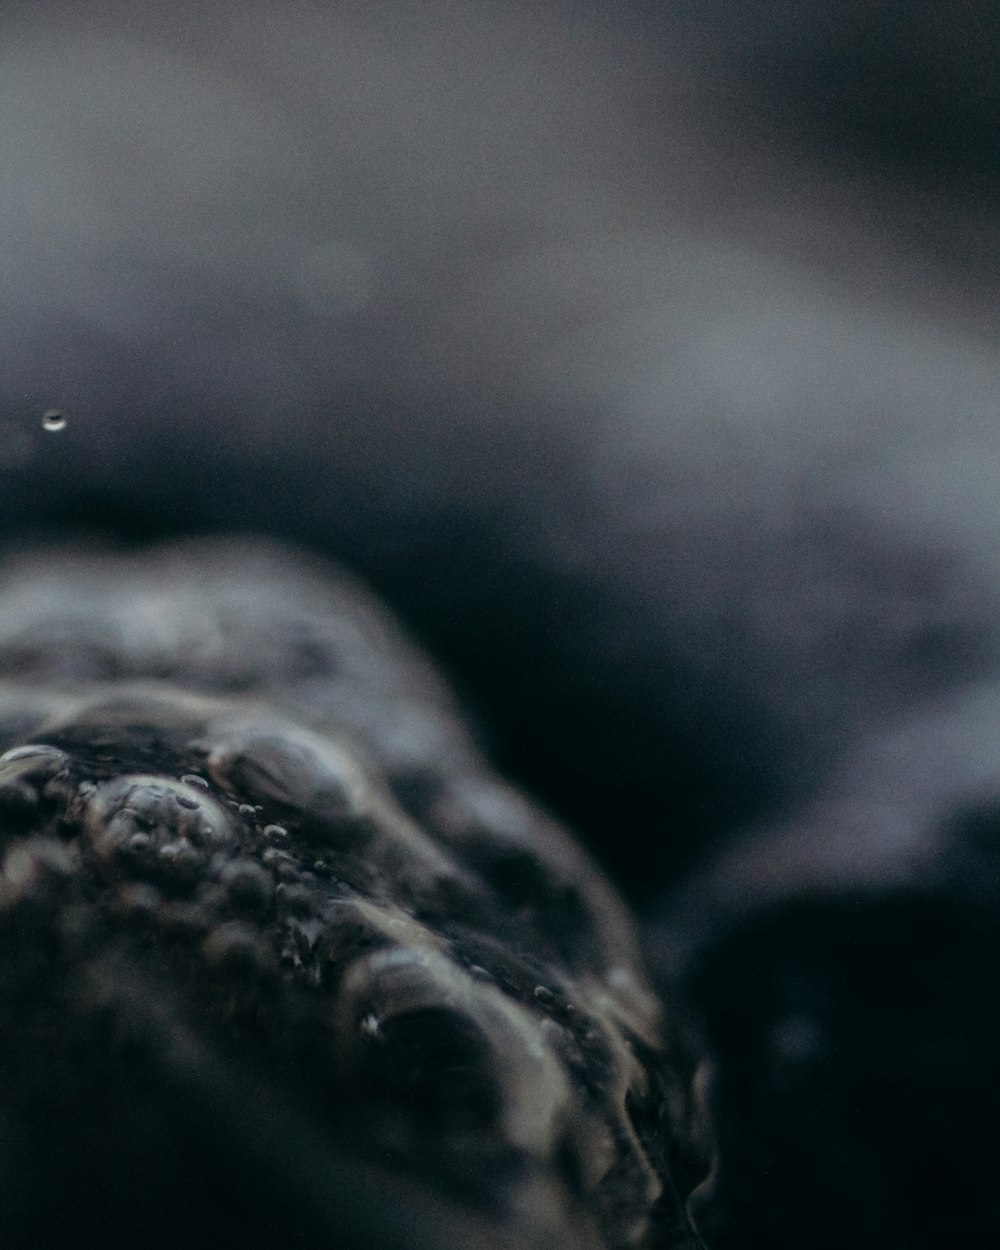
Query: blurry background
{"type": "Point", "coordinates": [644, 357]}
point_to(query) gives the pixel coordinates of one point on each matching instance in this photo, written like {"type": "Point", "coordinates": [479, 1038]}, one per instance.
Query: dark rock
{"type": "Point", "coordinates": [245, 996]}
{"type": "Point", "coordinates": [844, 965]}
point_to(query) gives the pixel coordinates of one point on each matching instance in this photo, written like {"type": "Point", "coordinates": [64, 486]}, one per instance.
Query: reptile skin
{"type": "Point", "coordinates": [279, 952]}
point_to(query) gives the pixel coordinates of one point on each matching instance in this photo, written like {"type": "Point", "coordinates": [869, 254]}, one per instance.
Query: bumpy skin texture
{"type": "Point", "coordinates": [281, 955]}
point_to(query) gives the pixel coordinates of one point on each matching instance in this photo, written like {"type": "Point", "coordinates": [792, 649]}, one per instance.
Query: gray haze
{"type": "Point", "coordinates": [485, 300]}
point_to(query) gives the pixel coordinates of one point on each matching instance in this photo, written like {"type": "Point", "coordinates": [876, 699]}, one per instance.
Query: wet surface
{"type": "Point", "coordinates": [216, 860]}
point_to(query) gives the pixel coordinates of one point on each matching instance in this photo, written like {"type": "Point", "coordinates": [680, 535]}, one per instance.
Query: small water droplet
{"type": "Point", "coordinates": [185, 800]}
{"type": "Point", "coordinates": [192, 779]}
{"type": "Point", "coordinates": [370, 1025]}
{"type": "Point", "coordinates": [53, 420]}
{"type": "Point", "coordinates": [544, 994]}
{"type": "Point", "coordinates": [277, 833]}
{"type": "Point", "coordinates": [247, 809]}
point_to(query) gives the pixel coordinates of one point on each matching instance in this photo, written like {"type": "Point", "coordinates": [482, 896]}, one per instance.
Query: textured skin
{"type": "Point", "coordinates": [258, 884]}
{"type": "Point", "coordinates": [654, 383]}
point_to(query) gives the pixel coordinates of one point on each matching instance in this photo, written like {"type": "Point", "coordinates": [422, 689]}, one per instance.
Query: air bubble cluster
{"type": "Point", "coordinates": [226, 844]}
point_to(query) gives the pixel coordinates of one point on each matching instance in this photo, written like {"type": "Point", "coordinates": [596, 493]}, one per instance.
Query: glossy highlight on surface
{"type": "Point", "coordinates": [201, 826]}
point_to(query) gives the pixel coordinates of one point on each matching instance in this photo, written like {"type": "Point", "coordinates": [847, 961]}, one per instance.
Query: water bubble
{"type": "Point", "coordinates": [299, 770]}
{"type": "Point", "coordinates": [544, 994]}
{"type": "Point", "coordinates": [247, 809]}
{"type": "Point", "coordinates": [53, 420]}
{"type": "Point", "coordinates": [192, 779]}
{"type": "Point", "coordinates": [277, 833]}
{"type": "Point", "coordinates": [144, 815]}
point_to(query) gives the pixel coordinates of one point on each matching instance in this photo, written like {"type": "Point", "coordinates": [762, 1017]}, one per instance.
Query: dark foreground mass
{"type": "Point", "coordinates": [282, 961]}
